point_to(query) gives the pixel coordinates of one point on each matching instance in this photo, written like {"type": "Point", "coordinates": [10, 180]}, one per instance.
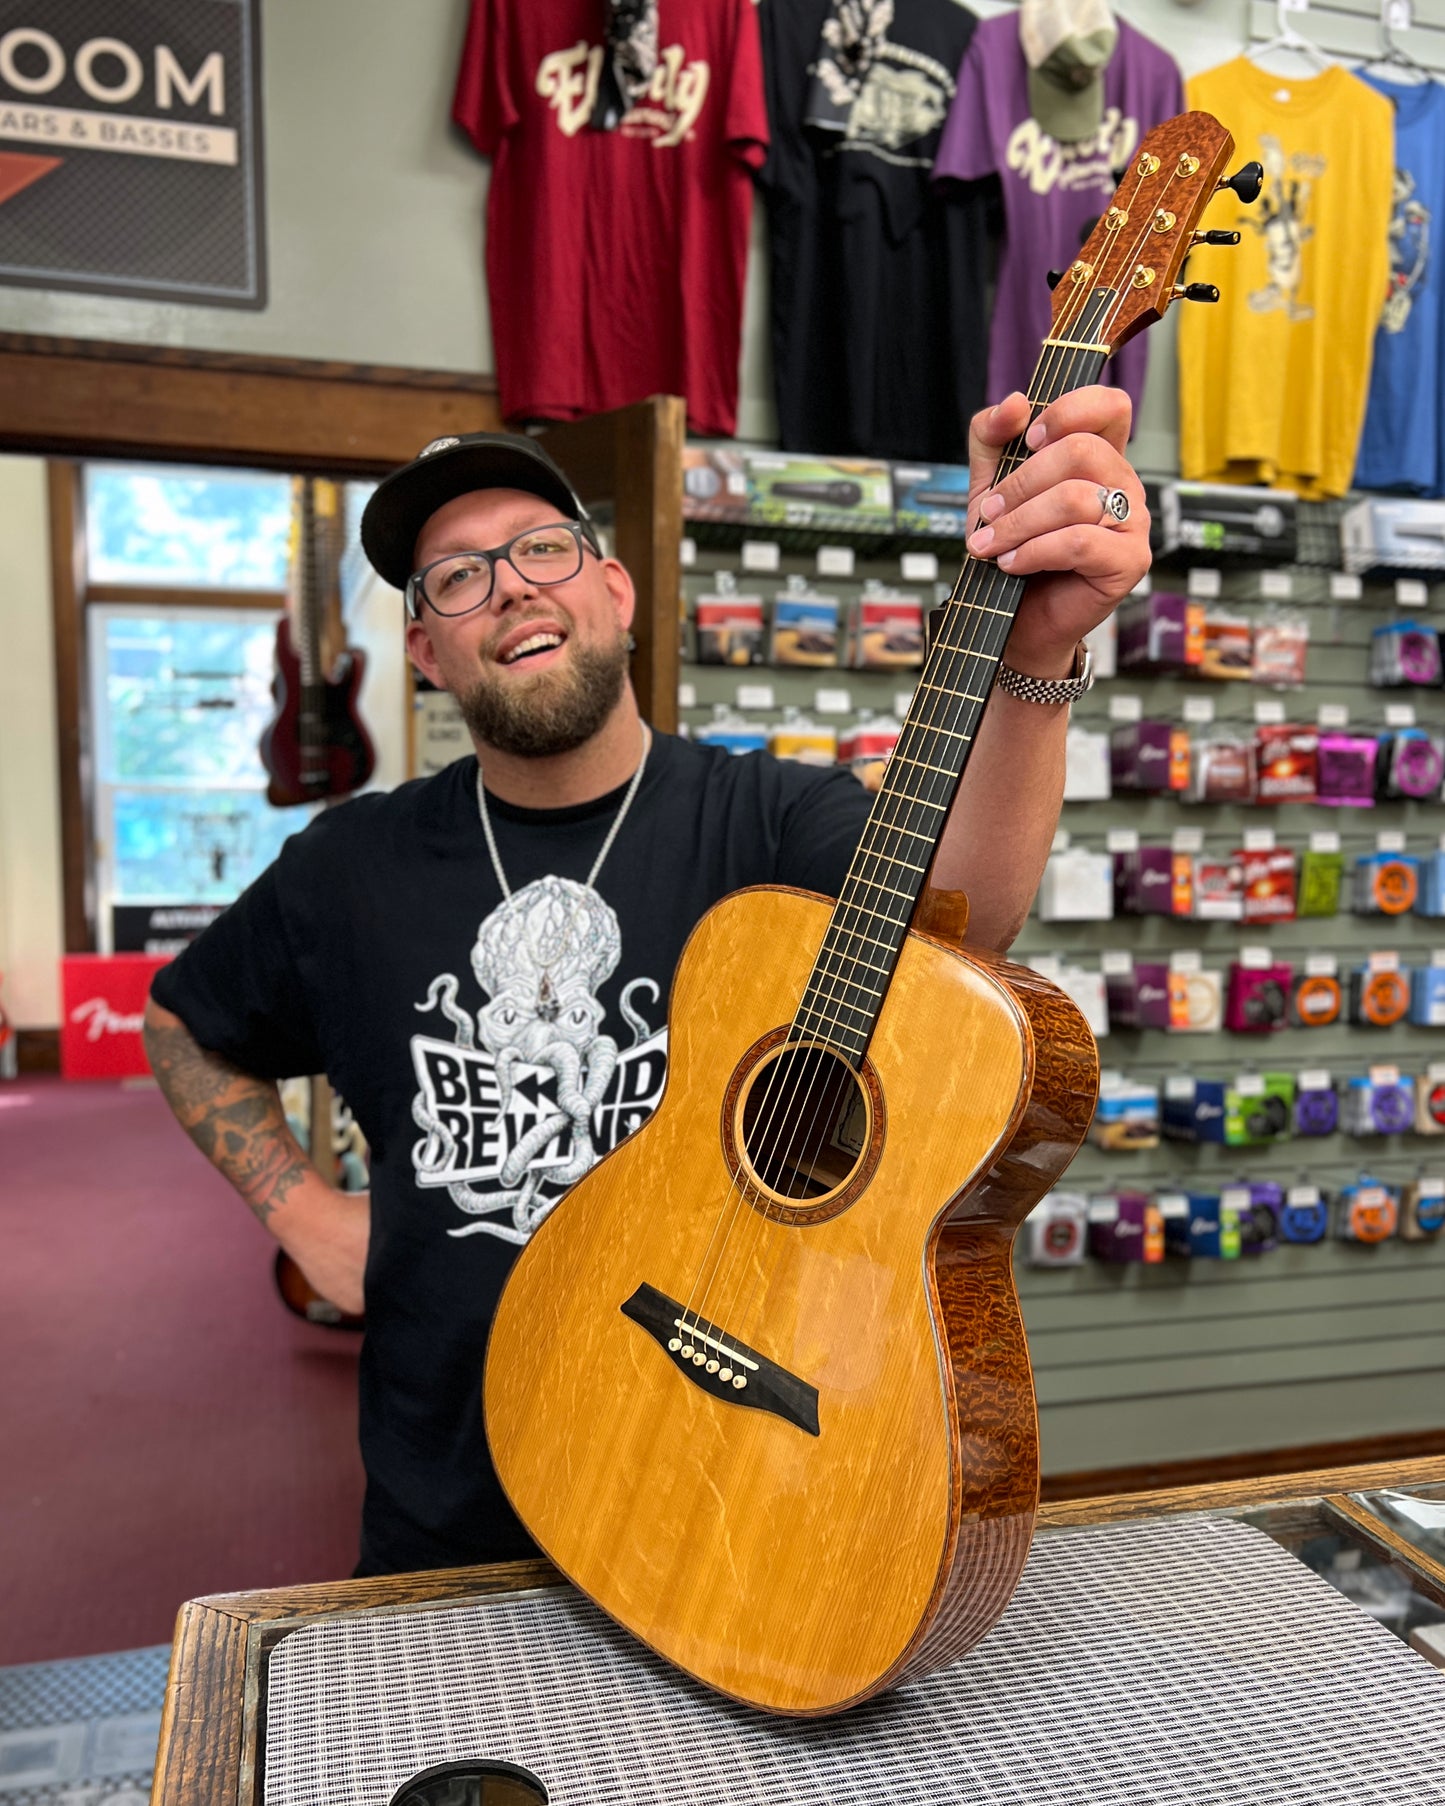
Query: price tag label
{"type": "Point", "coordinates": [835, 561]}
{"type": "Point", "coordinates": [1187, 840]}
{"type": "Point", "coordinates": [1234, 1197]}
{"type": "Point", "coordinates": [1334, 714]}
{"type": "Point", "coordinates": [1398, 14]}
{"type": "Point", "coordinates": [1345, 587]}
{"type": "Point", "coordinates": [1204, 583]}
{"type": "Point", "coordinates": [1437, 956]}
{"type": "Point", "coordinates": [1103, 1210]}
{"type": "Point", "coordinates": [1399, 714]}
{"type": "Point", "coordinates": [1061, 842]}
{"type": "Point", "coordinates": [1269, 712]}
{"type": "Point", "coordinates": [918, 567]}
{"type": "Point", "coordinates": [1186, 959]}
{"type": "Point", "coordinates": [1122, 840]}
{"type": "Point", "coordinates": [1115, 962]}
{"type": "Point", "coordinates": [1125, 708]}
{"type": "Point", "coordinates": [1383, 962]}
{"type": "Point", "coordinates": [755, 696]}
{"type": "Point", "coordinates": [1179, 1085]}
{"type": "Point", "coordinates": [1313, 1078]}
{"type": "Point", "coordinates": [1199, 708]}
{"type": "Point", "coordinates": [902, 702]}
{"type": "Point", "coordinates": [1276, 586]}
{"type": "Point", "coordinates": [1384, 1075]}
{"type": "Point", "coordinates": [833, 702]}
{"type": "Point", "coordinates": [1326, 840]}
{"type": "Point", "coordinates": [1049, 965]}
{"type": "Point", "coordinates": [1250, 1084]}
{"type": "Point", "coordinates": [1255, 959]}
{"type": "Point", "coordinates": [1435, 1072]}
{"type": "Point", "coordinates": [687, 696]}
{"type": "Point", "coordinates": [1390, 840]}
{"type": "Point", "coordinates": [1303, 1196]}
{"type": "Point", "coordinates": [687, 552]}
{"type": "Point", "coordinates": [1172, 1203]}
{"type": "Point", "coordinates": [1321, 965]}
{"type": "Point", "coordinates": [761, 555]}
{"type": "Point", "coordinates": [1412, 592]}
{"type": "Point", "coordinates": [1143, 587]}
{"type": "Point", "coordinates": [1259, 840]}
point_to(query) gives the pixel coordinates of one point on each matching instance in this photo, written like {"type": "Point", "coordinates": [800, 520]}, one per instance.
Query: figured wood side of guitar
{"type": "Point", "coordinates": [784, 1568]}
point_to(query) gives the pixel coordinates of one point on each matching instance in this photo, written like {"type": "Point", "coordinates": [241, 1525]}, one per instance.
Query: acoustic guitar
{"type": "Point", "coordinates": [759, 1384]}
{"type": "Point", "coordinates": [316, 746]}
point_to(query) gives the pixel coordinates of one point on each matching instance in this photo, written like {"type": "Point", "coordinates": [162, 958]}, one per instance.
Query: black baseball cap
{"type": "Point", "coordinates": [405, 501]}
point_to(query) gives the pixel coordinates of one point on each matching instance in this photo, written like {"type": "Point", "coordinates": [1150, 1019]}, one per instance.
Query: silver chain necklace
{"type": "Point", "coordinates": [612, 832]}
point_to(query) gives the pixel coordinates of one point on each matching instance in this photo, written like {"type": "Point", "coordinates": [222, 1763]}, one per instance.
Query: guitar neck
{"type": "Point", "coordinates": [865, 936]}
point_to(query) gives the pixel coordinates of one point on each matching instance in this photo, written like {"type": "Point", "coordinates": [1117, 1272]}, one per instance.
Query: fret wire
{"type": "Point", "coordinates": [985, 625]}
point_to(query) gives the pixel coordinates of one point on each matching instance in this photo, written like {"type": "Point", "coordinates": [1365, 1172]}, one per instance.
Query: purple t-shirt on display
{"type": "Point", "coordinates": [1050, 190]}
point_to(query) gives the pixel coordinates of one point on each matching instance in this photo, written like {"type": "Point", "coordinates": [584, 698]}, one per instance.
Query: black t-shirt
{"type": "Point", "coordinates": [491, 1049]}
{"type": "Point", "coordinates": [878, 278]}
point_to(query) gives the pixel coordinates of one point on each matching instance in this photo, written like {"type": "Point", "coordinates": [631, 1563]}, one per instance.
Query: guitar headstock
{"type": "Point", "coordinates": [1124, 277]}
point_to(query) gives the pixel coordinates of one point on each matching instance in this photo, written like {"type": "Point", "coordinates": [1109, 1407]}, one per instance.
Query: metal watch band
{"type": "Point", "coordinates": [1050, 689]}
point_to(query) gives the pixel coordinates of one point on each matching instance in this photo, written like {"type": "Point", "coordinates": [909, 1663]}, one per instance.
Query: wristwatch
{"type": "Point", "coordinates": [1050, 689]}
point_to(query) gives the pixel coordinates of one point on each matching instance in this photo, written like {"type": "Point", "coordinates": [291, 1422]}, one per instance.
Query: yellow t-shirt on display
{"type": "Point", "coordinates": [1273, 379]}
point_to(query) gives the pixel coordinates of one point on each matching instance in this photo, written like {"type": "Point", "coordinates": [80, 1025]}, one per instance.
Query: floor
{"type": "Point", "coordinates": [167, 1429]}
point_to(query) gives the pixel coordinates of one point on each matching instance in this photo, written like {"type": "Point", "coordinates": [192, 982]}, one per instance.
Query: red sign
{"type": "Point", "coordinates": [103, 1000]}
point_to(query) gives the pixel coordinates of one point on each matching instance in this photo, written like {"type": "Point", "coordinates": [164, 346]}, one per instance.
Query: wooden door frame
{"type": "Point", "coordinates": [73, 399]}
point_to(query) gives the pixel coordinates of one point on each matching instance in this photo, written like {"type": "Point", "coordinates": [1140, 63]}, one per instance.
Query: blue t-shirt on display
{"type": "Point", "coordinates": [1401, 447]}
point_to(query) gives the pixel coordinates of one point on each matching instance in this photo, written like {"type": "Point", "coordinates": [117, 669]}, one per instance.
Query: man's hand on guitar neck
{"type": "Point", "coordinates": [237, 1122]}
{"type": "Point", "coordinates": [1046, 520]}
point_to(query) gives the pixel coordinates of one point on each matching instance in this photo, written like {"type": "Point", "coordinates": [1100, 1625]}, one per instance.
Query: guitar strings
{"type": "Point", "coordinates": [977, 630]}
{"type": "Point", "coordinates": [945, 659]}
{"type": "Point", "coordinates": [776, 1093]}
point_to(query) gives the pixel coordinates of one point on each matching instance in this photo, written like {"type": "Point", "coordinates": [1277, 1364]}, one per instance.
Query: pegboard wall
{"type": "Point", "coordinates": [1318, 1343]}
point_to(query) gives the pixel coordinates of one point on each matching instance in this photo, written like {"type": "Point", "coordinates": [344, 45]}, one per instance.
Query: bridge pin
{"type": "Point", "coordinates": [699, 1358]}
{"type": "Point", "coordinates": [739, 1381]}
{"type": "Point", "coordinates": [712, 1366]}
{"type": "Point", "coordinates": [725, 1373]}
{"type": "Point", "coordinates": [687, 1351]}
{"type": "Point", "coordinates": [674, 1345]}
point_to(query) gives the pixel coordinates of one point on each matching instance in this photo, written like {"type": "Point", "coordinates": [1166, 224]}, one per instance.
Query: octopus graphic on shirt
{"type": "Point", "coordinates": [530, 1094]}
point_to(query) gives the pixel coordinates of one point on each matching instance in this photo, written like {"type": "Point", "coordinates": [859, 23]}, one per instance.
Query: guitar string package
{"type": "Point", "coordinates": [1058, 1230]}
{"type": "Point", "coordinates": [1430, 1102]}
{"type": "Point", "coordinates": [1385, 884]}
{"type": "Point", "coordinates": [732, 731]}
{"type": "Point", "coordinates": [1346, 770]}
{"type": "Point", "coordinates": [1305, 1215]}
{"type": "Point", "coordinates": [869, 741]}
{"type": "Point", "coordinates": [1126, 1115]}
{"type": "Point", "coordinates": [1137, 991]}
{"type": "Point", "coordinates": [1403, 654]}
{"type": "Point", "coordinates": [799, 737]}
{"type": "Point", "coordinates": [1380, 1102]}
{"type": "Point", "coordinates": [1281, 649]}
{"type": "Point", "coordinates": [1228, 646]}
{"type": "Point", "coordinates": [1222, 767]}
{"type": "Point", "coordinates": [1379, 994]}
{"type": "Point", "coordinates": [1422, 1209]}
{"type": "Point", "coordinates": [1125, 1226]}
{"type": "Point", "coordinates": [1367, 1211]}
{"type": "Point", "coordinates": [1160, 632]}
{"type": "Point", "coordinates": [887, 630]}
{"type": "Point", "coordinates": [1411, 763]}
{"type": "Point", "coordinates": [1316, 1104]}
{"type": "Point", "coordinates": [1318, 999]}
{"type": "Point", "coordinates": [1269, 884]}
{"type": "Point", "coordinates": [727, 626]}
{"type": "Point", "coordinates": [1077, 886]}
{"type": "Point", "coordinates": [1286, 763]}
{"type": "Point", "coordinates": [805, 627]}
{"type": "Point", "coordinates": [1149, 755]}
{"type": "Point", "coordinates": [1086, 766]}
{"type": "Point", "coordinates": [1321, 880]}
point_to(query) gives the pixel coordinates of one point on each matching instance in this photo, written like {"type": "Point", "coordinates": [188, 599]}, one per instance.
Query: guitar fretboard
{"type": "Point", "coordinates": [855, 964]}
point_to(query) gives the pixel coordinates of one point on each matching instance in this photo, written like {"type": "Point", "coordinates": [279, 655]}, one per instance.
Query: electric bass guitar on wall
{"type": "Point", "coordinates": [759, 1384]}
{"type": "Point", "coordinates": [317, 746]}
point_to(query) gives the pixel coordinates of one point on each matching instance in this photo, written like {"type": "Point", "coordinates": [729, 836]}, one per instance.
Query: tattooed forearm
{"type": "Point", "coordinates": [235, 1119]}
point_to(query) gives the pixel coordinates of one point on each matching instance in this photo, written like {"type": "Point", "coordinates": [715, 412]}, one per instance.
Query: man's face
{"type": "Point", "coordinates": [538, 669]}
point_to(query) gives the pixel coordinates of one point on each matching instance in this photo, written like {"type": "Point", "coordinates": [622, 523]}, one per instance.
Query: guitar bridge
{"type": "Point", "coordinates": [719, 1363]}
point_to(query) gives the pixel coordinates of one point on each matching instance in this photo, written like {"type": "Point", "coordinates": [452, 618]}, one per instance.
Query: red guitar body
{"type": "Point", "coordinates": [317, 746]}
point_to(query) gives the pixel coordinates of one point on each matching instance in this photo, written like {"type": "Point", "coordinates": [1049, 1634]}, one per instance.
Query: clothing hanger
{"type": "Point", "coordinates": [1287, 38]}
{"type": "Point", "coordinates": [1394, 60]}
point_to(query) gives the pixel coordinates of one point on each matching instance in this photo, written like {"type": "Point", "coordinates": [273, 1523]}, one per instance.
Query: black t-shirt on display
{"type": "Point", "coordinates": [491, 1048]}
{"type": "Point", "coordinates": [878, 279]}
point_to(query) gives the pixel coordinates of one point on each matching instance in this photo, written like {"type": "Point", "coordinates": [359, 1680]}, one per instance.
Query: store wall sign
{"type": "Point", "coordinates": [103, 1000]}
{"type": "Point", "coordinates": [159, 927]}
{"type": "Point", "coordinates": [130, 149]}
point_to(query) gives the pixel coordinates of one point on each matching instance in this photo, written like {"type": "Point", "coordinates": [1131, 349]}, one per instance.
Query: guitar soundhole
{"type": "Point", "coordinates": [804, 1124]}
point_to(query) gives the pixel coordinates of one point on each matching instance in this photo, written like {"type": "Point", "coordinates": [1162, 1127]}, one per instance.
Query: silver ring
{"type": "Point", "coordinates": [1113, 507]}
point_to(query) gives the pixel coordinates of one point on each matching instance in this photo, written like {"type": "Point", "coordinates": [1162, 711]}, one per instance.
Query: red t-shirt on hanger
{"type": "Point", "coordinates": [615, 260]}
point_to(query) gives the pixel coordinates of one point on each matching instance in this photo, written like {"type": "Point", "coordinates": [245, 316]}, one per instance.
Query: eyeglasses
{"type": "Point", "coordinates": [462, 581]}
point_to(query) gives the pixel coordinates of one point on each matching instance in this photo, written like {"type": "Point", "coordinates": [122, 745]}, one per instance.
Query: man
{"type": "Point", "coordinates": [568, 882]}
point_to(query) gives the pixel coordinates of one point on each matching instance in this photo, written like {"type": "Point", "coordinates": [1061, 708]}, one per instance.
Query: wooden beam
{"type": "Point", "coordinates": [88, 398]}
{"type": "Point", "coordinates": [67, 565]}
{"type": "Point", "coordinates": [144, 595]}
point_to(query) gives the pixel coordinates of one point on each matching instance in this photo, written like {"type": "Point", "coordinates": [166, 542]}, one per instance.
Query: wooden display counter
{"type": "Point", "coordinates": [212, 1729]}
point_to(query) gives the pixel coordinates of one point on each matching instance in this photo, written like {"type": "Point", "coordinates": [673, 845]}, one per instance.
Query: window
{"type": "Point", "coordinates": [180, 698]}
{"type": "Point", "coordinates": [179, 528]}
